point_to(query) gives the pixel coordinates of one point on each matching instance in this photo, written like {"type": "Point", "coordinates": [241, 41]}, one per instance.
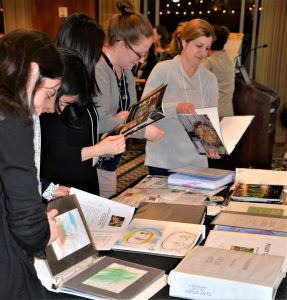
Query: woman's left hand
{"type": "Point", "coordinates": [213, 154]}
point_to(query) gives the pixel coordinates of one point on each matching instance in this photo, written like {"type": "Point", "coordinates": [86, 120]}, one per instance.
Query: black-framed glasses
{"type": "Point", "coordinates": [134, 51]}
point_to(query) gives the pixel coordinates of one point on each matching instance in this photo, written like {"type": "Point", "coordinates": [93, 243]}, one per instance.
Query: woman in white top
{"type": "Point", "coordinates": [190, 86]}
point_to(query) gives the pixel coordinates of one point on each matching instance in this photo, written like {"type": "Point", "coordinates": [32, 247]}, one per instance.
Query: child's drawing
{"type": "Point", "coordinates": [178, 241]}
{"type": "Point", "coordinates": [115, 277]}
{"type": "Point", "coordinates": [72, 234]}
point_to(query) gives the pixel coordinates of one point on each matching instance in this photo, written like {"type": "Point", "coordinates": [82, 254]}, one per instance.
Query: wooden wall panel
{"type": "Point", "coordinates": [45, 13]}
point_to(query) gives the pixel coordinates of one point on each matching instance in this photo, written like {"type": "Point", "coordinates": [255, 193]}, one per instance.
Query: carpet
{"type": "Point", "coordinates": [131, 170]}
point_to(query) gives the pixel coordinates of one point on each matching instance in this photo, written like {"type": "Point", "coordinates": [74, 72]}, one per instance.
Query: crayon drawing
{"type": "Point", "coordinates": [115, 278]}
{"type": "Point", "coordinates": [140, 236]}
{"type": "Point", "coordinates": [72, 234]}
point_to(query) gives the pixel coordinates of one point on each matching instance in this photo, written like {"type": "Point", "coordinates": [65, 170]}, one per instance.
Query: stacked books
{"type": "Point", "coordinates": [203, 178]}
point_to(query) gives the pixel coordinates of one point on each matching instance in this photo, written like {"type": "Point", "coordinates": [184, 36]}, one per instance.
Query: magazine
{"type": "Point", "coordinates": [143, 113]}
{"type": "Point", "coordinates": [206, 132]}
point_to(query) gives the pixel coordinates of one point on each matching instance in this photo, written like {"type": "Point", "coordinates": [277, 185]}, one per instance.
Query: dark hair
{"type": "Point", "coordinates": [127, 25]}
{"type": "Point", "coordinates": [18, 49]}
{"type": "Point", "coordinates": [75, 82]}
{"type": "Point", "coordinates": [163, 32]}
{"type": "Point", "coordinates": [83, 34]}
{"type": "Point", "coordinates": [221, 37]}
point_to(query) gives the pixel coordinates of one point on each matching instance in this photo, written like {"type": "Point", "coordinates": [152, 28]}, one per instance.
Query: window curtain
{"type": "Point", "coordinates": [271, 64]}
{"type": "Point", "coordinates": [17, 14]}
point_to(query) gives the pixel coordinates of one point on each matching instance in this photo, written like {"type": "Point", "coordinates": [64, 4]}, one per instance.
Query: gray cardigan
{"type": "Point", "coordinates": [107, 101]}
{"type": "Point", "coordinates": [175, 149]}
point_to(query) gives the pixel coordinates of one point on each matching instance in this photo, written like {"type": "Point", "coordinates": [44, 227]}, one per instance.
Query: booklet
{"type": "Point", "coordinates": [147, 111]}
{"type": "Point", "coordinates": [73, 266]}
{"type": "Point", "coordinates": [206, 132]}
{"type": "Point", "coordinates": [160, 237]}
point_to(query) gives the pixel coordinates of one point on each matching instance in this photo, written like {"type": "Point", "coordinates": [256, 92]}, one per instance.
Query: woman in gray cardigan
{"type": "Point", "coordinates": [189, 86]}
{"type": "Point", "coordinates": [129, 37]}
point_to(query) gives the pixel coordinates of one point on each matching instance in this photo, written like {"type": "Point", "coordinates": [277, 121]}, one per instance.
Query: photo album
{"type": "Point", "coordinates": [73, 266]}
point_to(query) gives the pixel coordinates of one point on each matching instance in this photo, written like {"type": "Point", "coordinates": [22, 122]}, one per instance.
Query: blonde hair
{"type": "Point", "coordinates": [195, 29]}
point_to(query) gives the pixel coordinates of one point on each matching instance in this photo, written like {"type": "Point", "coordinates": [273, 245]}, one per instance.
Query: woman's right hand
{"type": "Point", "coordinates": [185, 108]}
{"type": "Point", "coordinates": [112, 145]}
{"type": "Point", "coordinates": [53, 225]}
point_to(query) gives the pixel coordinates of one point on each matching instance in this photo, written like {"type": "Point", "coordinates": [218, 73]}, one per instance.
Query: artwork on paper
{"type": "Point", "coordinates": [115, 277]}
{"type": "Point", "coordinates": [72, 234]}
{"type": "Point", "coordinates": [145, 237]}
{"type": "Point", "coordinates": [179, 241]}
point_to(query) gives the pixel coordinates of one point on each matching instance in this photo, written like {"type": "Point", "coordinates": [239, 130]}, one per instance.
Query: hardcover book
{"type": "Point", "coordinates": [212, 273]}
{"type": "Point", "coordinates": [206, 132]}
{"type": "Point", "coordinates": [160, 237]}
{"type": "Point", "coordinates": [193, 214]}
{"type": "Point", "coordinates": [257, 193]}
{"type": "Point", "coordinates": [73, 266]}
{"type": "Point", "coordinates": [253, 243]}
{"type": "Point", "coordinates": [147, 111]}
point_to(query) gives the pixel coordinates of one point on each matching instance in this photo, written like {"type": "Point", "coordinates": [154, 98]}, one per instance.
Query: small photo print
{"type": "Point", "coordinates": [116, 221]}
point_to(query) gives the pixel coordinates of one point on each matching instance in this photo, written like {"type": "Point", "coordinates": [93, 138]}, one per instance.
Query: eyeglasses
{"type": "Point", "coordinates": [134, 51]}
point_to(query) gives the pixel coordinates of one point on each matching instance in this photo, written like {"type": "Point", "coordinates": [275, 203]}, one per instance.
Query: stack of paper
{"type": "Point", "coordinates": [253, 243]}
{"type": "Point", "coordinates": [204, 178]}
{"type": "Point", "coordinates": [211, 273]}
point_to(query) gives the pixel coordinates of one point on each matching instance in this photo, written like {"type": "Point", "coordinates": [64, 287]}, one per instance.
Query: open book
{"type": "Point", "coordinates": [73, 266]}
{"type": "Point", "coordinates": [160, 237]}
{"type": "Point", "coordinates": [206, 132]}
{"type": "Point", "coordinates": [143, 113]}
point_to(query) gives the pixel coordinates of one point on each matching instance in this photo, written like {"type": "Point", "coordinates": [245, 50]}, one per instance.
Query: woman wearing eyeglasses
{"type": "Point", "coordinates": [129, 37]}
{"type": "Point", "coordinates": [30, 75]}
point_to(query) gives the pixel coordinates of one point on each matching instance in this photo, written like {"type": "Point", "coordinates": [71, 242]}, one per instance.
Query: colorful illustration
{"type": "Point", "coordinates": [115, 277]}
{"type": "Point", "coordinates": [72, 234]}
{"type": "Point", "coordinates": [202, 133]}
{"type": "Point", "coordinates": [145, 237]}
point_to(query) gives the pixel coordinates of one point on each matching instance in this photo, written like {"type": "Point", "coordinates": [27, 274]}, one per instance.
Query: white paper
{"type": "Point", "coordinates": [104, 217]}
{"type": "Point", "coordinates": [261, 176]}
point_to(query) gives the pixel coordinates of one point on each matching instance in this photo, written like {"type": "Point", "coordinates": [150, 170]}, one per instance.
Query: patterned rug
{"type": "Point", "coordinates": [132, 168]}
